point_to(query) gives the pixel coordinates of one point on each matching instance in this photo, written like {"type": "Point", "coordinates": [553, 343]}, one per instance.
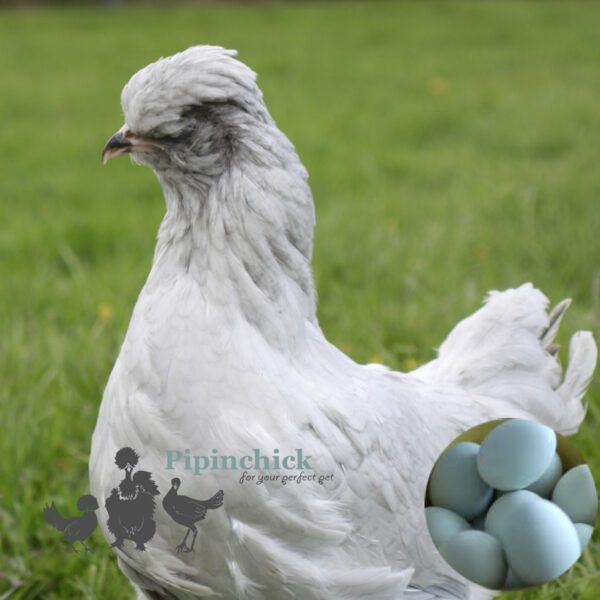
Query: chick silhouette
{"type": "Point", "coordinates": [130, 506]}
{"type": "Point", "coordinates": [188, 511]}
{"type": "Point", "coordinates": [75, 529]}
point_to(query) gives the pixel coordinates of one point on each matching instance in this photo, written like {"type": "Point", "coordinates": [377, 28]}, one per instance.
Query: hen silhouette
{"type": "Point", "coordinates": [75, 529]}
{"type": "Point", "coordinates": [188, 511]}
{"type": "Point", "coordinates": [131, 505]}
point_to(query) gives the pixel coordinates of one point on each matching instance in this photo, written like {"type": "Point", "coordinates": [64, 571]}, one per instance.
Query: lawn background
{"type": "Point", "coordinates": [453, 148]}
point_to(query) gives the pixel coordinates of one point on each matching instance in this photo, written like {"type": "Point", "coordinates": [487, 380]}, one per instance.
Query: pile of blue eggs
{"type": "Point", "coordinates": [504, 513]}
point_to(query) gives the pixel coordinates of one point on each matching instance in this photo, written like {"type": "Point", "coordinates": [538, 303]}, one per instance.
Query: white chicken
{"type": "Point", "coordinates": [224, 352]}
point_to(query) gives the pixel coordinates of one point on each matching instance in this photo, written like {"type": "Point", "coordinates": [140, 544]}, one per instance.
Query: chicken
{"type": "Point", "coordinates": [187, 511]}
{"type": "Point", "coordinates": [75, 529]}
{"type": "Point", "coordinates": [224, 351]}
{"type": "Point", "coordinates": [130, 506]}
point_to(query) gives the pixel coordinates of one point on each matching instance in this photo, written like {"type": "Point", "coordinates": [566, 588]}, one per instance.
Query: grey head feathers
{"type": "Point", "coordinates": [157, 97]}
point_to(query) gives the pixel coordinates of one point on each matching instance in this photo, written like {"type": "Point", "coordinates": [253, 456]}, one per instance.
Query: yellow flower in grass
{"type": "Point", "coordinates": [104, 311]}
{"type": "Point", "coordinates": [438, 86]}
{"type": "Point", "coordinates": [377, 358]}
{"type": "Point", "coordinates": [410, 363]}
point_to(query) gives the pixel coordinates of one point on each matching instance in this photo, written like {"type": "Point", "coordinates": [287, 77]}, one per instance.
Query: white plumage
{"type": "Point", "coordinates": [224, 351]}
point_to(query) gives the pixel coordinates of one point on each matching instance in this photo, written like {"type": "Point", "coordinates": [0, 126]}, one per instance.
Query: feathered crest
{"type": "Point", "coordinates": [156, 96]}
{"type": "Point", "coordinates": [126, 456]}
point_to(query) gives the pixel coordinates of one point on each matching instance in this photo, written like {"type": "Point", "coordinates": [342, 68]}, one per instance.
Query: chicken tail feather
{"type": "Point", "coordinates": [54, 518]}
{"type": "Point", "coordinates": [554, 319]}
{"type": "Point", "coordinates": [582, 362]}
{"type": "Point", "coordinates": [216, 501]}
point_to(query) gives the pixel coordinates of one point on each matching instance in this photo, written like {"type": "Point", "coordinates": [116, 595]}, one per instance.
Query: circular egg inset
{"type": "Point", "coordinates": [575, 493]}
{"type": "Point", "coordinates": [477, 556]}
{"type": "Point", "coordinates": [455, 483]}
{"type": "Point", "coordinates": [444, 524]}
{"type": "Point", "coordinates": [541, 542]}
{"type": "Point", "coordinates": [516, 454]}
{"type": "Point", "coordinates": [531, 525]}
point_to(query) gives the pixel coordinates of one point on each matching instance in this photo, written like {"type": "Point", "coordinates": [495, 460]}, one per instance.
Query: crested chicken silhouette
{"type": "Point", "coordinates": [224, 350]}
{"type": "Point", "coordinates": [130, 505]}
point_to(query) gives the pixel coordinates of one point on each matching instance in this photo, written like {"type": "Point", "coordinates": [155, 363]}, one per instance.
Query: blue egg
{"type": "Point", "coordinates": [541, 543]}
{"type": "Point", "coordinates": [455, 483]}
{"type": "Point", "coordinates": [544, 485]}
{"type": "Point", "coordinates": [584, 531]}
{"type": "Point", "coordinates": [443, 524]}
{"type": "Point", "coordinates": [516, 454]}
{"type": "Point", "coordinates": [477, 556]}
{"type": "Point", "coordinates": [500, 516]}
{"type": "Point", "coordinates": [576, 494]}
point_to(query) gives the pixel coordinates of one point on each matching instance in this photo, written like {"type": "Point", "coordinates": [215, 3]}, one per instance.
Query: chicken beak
{"type": "Point", "coordinates": [120, 143]}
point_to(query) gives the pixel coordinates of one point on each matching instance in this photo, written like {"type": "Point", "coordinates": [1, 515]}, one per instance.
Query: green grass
{"type": "Point", "coordinates": [453, 148]}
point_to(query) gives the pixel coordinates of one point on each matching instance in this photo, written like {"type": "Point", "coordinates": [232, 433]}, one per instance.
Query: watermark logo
{"type": "Point", "coordinates": [131, 505]}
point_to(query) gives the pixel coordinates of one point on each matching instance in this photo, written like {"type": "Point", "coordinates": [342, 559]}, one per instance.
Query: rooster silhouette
{"type": "Point", "coordinates": [75, 529]}
{"type": "Point", "coordinates": [131, 505]}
